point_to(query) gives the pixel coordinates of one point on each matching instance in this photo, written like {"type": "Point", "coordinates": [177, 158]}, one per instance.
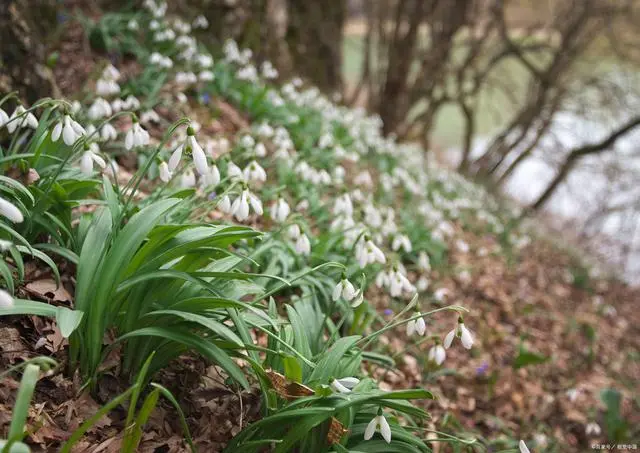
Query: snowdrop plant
{"type": "Point", "coordinates": [461, 332]}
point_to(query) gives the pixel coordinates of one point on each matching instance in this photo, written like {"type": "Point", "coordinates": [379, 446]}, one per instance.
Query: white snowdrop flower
{"type": "Point", "coordinates": [460, 331]}
{"type": "Point", "coordinates": [175, 158]}
{"type": "Point", "coordinates": [401, 241]}
{"type": "Point", "coordinates": [382, 279]}
{"type": "Point", "coordinates": [132, 103]}
{"type": "Point", "coordinates": [441, 294]}
{"type": "Point", "coordinates": [378, 422]}
{"type": "Point", "coordinates": [358, 299]}
{"type": "Point", "coordinates": [416, 326]}
{"type": "Point", "coordinates": [150, 116]}
{"type": "Point", "coordinates": [264, 129]}
{"type": "Point", "coordinates": [225, 205]}
{"type": "Point", "coordinates": [294, 231]}
{"type": "Point", "coordinates": [68, 129]}
{"type": "Point", "coordinates": [325, 141]}
{"type": "Point", "coordinates": [108, 132]}
{"type": "Point", "coordinates": [200, 22]}
{"type": "Point", "coordinates": [6, 300]}
{"type": "Point", "coordinates": [422, 284]}
{"type": "Point", "coordinates": [19, 119]}
{"type": "Point", "coordinates": [247, 141]}
{"type": "Point", "coordinates": [344, 289]}
{"type": "Point", "coordinates": [592, 429]}
{"type": "Point", "coordinates": [89, 157]}
{"type": "Point", "coordinates": [111, 72]}
{"type": "Point", "coordinates": [367, 252]}
{"type": "Point", "coordinates": [107, 87]}
{"type": "Point", "coordinates": [437, 354]}
{"type": "Point", "coordinates": [424, 264]}
{"type": "Point", "coordinates": [260, 150]}
{"type": "Point", "coordinates": [268, 71]}
{"type": "Point", "coordinates": [254, 172]}
{"type": "Point", "coordinates": [573, 394]}
{"type": "Point", "coordinates": [154, 24]}
{"type": "Point", "coordinates": [462, 246]}
{"type": "Point", "coordinates": [10, 211]}
{"type": "Point", "coordinates": [363, 179]}
{"type": "Point", "coordinates": [133, 25]}
{"type": "Point", "coordinates": [185, 78]}
{"type": "Point", "coordinates": [136, 136]}
{"type": "Point", "coordinates": [398, 284]}
{"type": "Point", "coordinates": [233, 171]}
{"type": "Point", "coordinates": [188, 179]}
{"type": "Point", "coordinates": [343, 205]}
{"type": "Point", "coordinates": [280, 210]}
{"type": "Point", "coordinates": [198, 154]}
{"type": "Point", "coordinates": [248, 73]}
{"type": "Point", "coordinates": [5, 245]}
{"type": "Point", "coordinates": [206, 76]}
{"type": "Point", "coordinates": [344, 385]}
{"type": "Point", "coordinates": [4, 118]}
{"type": "Point", "coordinates": [165, 173]}
{"type": "Point", "coordinates": [240, 206]}
{"type": "Point", "coordinates": [523, 447]}
{"type": "Point", "coordinates": [303, 205]}
{"type": "Point", "coordinates": [117, 105]}
{"type": "Point", "coordinates": [212, 178]}
{"type": "Point", "coordinates": [75, 107]}
{"type": "Point", "coordinates": [303, 245]}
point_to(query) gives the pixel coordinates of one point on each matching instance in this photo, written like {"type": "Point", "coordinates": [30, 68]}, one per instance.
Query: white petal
{"type": "Point", "coordinates": [385, 429]}
{"type": "Point", "coordinates": [466, 337]}
{"type": "Point", "coordinates": [349, 382]}
{"type": "Point", "coordinates": [57, 131]}
{"type": "Point", "coordinates": [421, 326]}
{"type": "Point", "coordinates": [10, 211]}
{"type": "Point", "coordinates": [349, 291]}
{"type": "Point", "coordinates": [128, 140]}
{"type": "Point", "coordinates": [165, 174]}
{"type": "Point", "coordinates": [6, 301]}
{"type": "Point", "coordinates": [200, 161]}
{"type": "Point", "coordinates": [440, 355]}
{"type": "Point", "coordinates": [256, 204]}
{"type": "Point", "coordinates": [174, 160]}
{"type": "Point", "coordinates": [523, 447]}
{"type": "Point", "coordinates": [98, 160]}
{"type": "Point", "coordinates": [338, 387]}
{"type": "Point", "coordinates": [337, 291]}
{"type": "Point", "coordinates": [371, 428]}
{"type": "Point", "coordinates": [86, 163]}
{"type": "Point", "coordinates": [449, 339]}
{"type": "Point", "coordinates": [68, 134]}
{"type": "Point", "coordinates": [411, 326]}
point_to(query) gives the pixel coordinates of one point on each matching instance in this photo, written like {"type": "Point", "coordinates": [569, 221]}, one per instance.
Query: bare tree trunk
{"type": "Point", "coordinates": [22, 52]}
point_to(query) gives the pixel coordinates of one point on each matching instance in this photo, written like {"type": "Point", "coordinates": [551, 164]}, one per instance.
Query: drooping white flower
{"type": "Point", "coordinates": [3, 118]}
{"type": "Point", "coordinates": [225, 205]}
{"type": "Point", "coordinates": [437, 354]}
{"type": "Point", "coordinates": [136, 136]}
{"type": "Point", "coordinates": [89, 157]}
{"type": "Point", "coordinates": [260, 150]}
{"type": "Point", "coordinates": [10, 211]}
{"type": "Point", "coordinates": [367, 252]}
{"type": "Point", "coordinates": [165, 173]}
{"type": "Point", "coordinates": [294, 231]}
{"type": "Point", "coordinates": [188, 179]}
{"type": "Point", "coordinates": [212, 178]}
{"type": "Point", "coordinates": [200, 22]}
{"type": "Point", "coordinates": [132, 25]}
{"type": "Point", "coordinates": [240, 206]}
{"type": "Point", "coordinates": [100, 109]}
{"type": "Point", "coordinates": [399, 283]}
{"type": "Point", "coordinates": [460, 331]}
{"type": "Point", "coordinates": [69, 129]}
{"type": "Point", "coordinates": [378, 422]}
{"type": "Point", "coordinates": [198, 154]}
{"type": "Point", "coordinates": [344, 385]}
{"type": "Point", "coordinates": [592, 429]}
{"type": "Point", "coordinates": [254, 172]}
{"type": "Point", "coordinates": [523, 447]}
{"type": "Point", "coordinates": [303, 245]}
{"type": "Point", "coordinates": [6, 301]}
{"type": "Point", "coordinates": [344, 289]}
{"type": "Point", "coordinates": [343, 205]}
{"type": "Point", "coordinates": [280, 210]}
{"type": "Point", "coordinates": [401, 241]}
{"type": "Point", "coordinates": [108, 132]}
{"type": "Point", "coordinates": [149, 116]}
{"type": "Point", "coordinates": [19, 119]}
{"type": "Point", "coordinates": [416, 326]}
{"type": "Point", "coordinates": [132, 103]}
{"type": "Point", "coordinates": [424, 264]}
{"type": "Point", "coordinates": [233, 171]}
